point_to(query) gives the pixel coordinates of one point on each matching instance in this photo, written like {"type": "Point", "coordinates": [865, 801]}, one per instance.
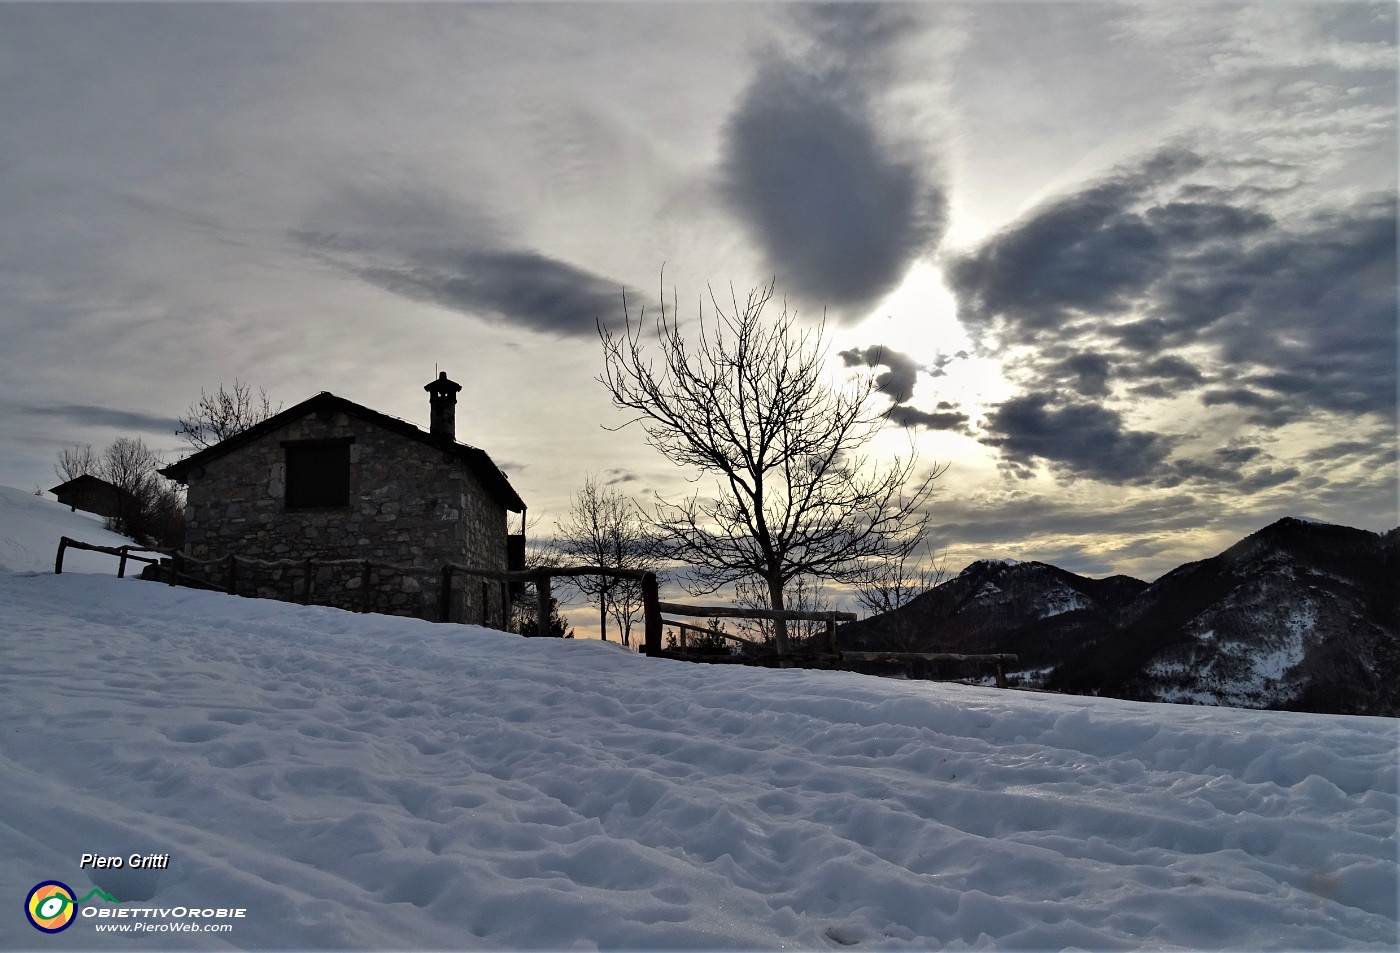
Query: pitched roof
{"type": "Point", "coordinates": [476, 460]}
{"type": "Point", "coordinates": [87, 480]}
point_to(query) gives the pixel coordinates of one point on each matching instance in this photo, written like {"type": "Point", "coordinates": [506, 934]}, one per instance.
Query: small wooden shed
{"type": "Point", "coordinates": [95, 495]}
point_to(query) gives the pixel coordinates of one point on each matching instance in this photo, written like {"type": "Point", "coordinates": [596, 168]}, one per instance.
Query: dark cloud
{"type": "Point", "coordinates": [1079, 559]}
{"type": "Point", "coordinates": [1309, 303]}
{"type": "Point", "coordinates": [1240, 397]}
{"type": "Point", "coordinates": [942, 420]}
{"type": "Point", "coordinates": [1318, 324]}
{"type": "Point", "coordinates": [1166, 376]}
{"type": "Point", "coordinates": [1195, 223]}
{"type": "Point", "coordinates": [1334, 452]}
{"type": "Point", "coordinates": [1226, 467]}
{"type": "Point", "coordinates": [1127, 289]}
{"type": "Point", "coordinates": [88, 415]}
{"type": "Point", "coordinates": [1266, 409]}
{"type": "Point", "coordinates": [1087, 373]}
{"type": "Point", "coordinates": [522, 288]}
{"type": "Point", "coordinates": [1238, 454]}
{"type": "Point", "coordinates": [1267, 478]}
{"type": "Point", "coordinates": [1081, 439]}
{"type": "Point", "coordinates": [1088, 253]}
{"type": "Point", "coordinates": [898, 381]}
{"type": "Point", "coordinates": [1154, 391]}
{"type": "Point", "coordinates": [423, 246]}
{"type": "Point", "coordinates": [1024, 526]}
{"type": "Point", "coordinates": [840, 205]}
{"type": "Point", "coordinates": [1176, 370]}
{"type": "Point", "coordinates": [1143, 336]}
{"type": "Point", "coordinates": [942, 361]}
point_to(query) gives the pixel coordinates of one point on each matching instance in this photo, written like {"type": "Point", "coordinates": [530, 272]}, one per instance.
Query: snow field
{"type": "Point", "coordinates": [30, 527]}
{"type": "Point", "coordinates": [367, 782]}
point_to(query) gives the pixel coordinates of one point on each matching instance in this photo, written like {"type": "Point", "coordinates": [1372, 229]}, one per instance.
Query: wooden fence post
{"type": "Point", "coordinates": [364, 587]}
{"type": "Point", "coordinates": [58, 560]}
{"type": "Point", "coordinates": [651, 614]}
{"type": "Point", "coordinates": [1001, 673]}
{"type": "Point", "coordinates": [445, 596]}
{"type": "Point", "coordinates": [541, 602]}
{"type": "Point", "coordinates": [831, 633]}
{"type": "Point", "coordinates": [177, 566]}
{"type": "Point", "coordinates": [306, 583]}
{"type": "Point", "coordinates": [121, 566]}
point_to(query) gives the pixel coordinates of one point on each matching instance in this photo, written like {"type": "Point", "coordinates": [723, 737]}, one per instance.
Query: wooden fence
{"type": "Point", "coordinates": [654, 610]}
{"type": "Point", "coordinates": [830, 656]}
{"type": "Point", "coordinates": [125, 552]}
{"type": "Point", "coordinates": [177, 563]}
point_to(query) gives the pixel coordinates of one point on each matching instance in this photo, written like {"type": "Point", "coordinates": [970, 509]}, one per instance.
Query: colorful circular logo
{"type": "Point", "coordinates": [50, 906]}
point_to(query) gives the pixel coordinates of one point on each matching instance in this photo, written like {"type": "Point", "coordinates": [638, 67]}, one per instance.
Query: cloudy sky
{"type": "Point", "coordinates": [1129, 268]}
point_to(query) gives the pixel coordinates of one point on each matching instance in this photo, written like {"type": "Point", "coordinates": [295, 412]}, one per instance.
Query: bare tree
{"type": "Point", "coordinates": [604, 528]}
{"type": "Point", "coordinates": [894, 584]}
{"type": "Point", "coordinates": [164, 519]}
{"type": "Point", "coordinates": [75, 461]}
{"type": "Point", "coordinates": [803, 594]}
{"type": "Point", "coordinates": [746, 403]}
{"type": "Point", "coordinates": [218, 416]}
{"type": "Point", "coordinates": [130, 465]}
{"type": "Point", "coordinates": [149, 508]}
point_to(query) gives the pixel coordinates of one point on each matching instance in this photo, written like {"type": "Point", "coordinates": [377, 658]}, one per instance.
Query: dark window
{"type": "Point", "coordinates": [318, 475]}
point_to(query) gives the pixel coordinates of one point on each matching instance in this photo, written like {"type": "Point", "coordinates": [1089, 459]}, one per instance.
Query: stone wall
{"type": "Point", "coordinates": [411, 504]}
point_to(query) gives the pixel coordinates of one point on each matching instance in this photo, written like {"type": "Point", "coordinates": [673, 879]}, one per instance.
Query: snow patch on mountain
{"type": "Point", "coordinates": [1061, 600]}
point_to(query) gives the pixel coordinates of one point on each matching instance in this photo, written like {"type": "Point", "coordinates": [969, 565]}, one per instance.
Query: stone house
{"type": "Point", "coordinates": [94, 495]}
{"type": "Point", "coordinates": [329, 479]}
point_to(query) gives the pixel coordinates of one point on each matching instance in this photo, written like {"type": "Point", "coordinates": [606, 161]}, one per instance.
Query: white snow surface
{"type": "Point", "coordinates": [367, 782]}
{"type": "Point", "coordinates": [30, 527]}
{"type": "Point", "coordinates": [1061, 600]}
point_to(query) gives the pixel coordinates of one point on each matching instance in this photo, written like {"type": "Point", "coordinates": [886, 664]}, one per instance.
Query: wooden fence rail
{"type": "Point", "coordinates": [124, 553]}
{"type": "Point", "coordinates": [684, 627]}
{"type": "Point", "coordinates": [729, 612]}
{"type": "Point", "coordinates": [652, 607]}
{"type": "Point", "coordinates": [178, 562]}
{"type": "Point", "coordinates": [832, 658]}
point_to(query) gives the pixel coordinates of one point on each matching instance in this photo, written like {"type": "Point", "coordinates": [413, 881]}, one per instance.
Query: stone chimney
{"type": "Point", "coordinates": [442, 403]}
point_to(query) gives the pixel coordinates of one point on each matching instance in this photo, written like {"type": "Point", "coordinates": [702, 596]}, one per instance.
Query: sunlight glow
{"type": "Point", "coordinates": [919, 319]}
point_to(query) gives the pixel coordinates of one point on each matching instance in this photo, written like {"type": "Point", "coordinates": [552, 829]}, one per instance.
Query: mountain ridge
{"type": "Point", "coordinates": [1298, 615]}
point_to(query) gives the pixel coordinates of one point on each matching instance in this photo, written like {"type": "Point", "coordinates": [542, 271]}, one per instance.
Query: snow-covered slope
{"type": "Point", "coordinates": [366, 782]}
{"type": "Point", "coordinates": [30, 527]}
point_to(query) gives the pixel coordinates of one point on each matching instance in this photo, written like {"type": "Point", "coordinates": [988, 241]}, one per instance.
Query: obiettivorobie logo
{"type": "Point", "coordinates": [51, 906]}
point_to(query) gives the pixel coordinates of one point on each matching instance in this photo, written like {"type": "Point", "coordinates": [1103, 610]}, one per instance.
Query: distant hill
{"type": "Point", "coordinates": [1301, 616]}
{"type": "Point", "coordinates": [1038, 611]}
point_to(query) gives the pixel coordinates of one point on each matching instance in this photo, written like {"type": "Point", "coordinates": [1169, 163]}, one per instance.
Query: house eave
{"type": "Point", "coordinates": [495, 481]}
